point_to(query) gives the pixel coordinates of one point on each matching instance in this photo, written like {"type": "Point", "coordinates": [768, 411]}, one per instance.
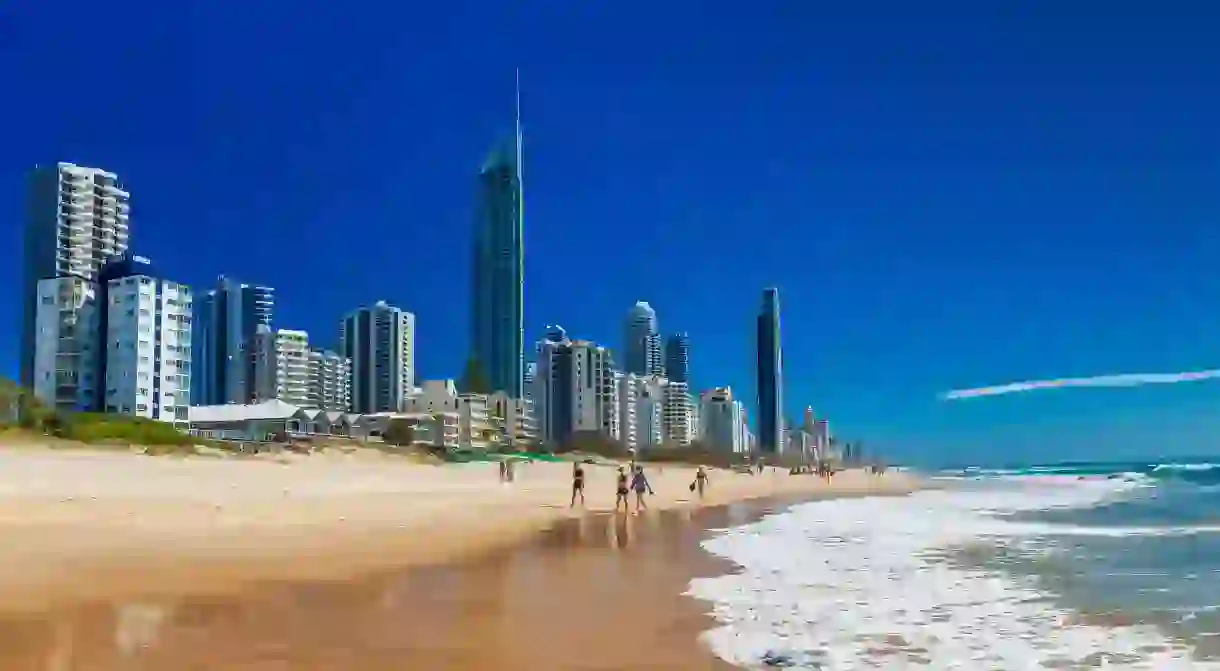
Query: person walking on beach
{"type": "Point", "coordinates": [639, 483]}
{"type": "Point", "coordinates": [621, 496]}
{"type": "Point", "coordinates": [700, 481]}
{"type": "Point", "coordinates": [578, 484]}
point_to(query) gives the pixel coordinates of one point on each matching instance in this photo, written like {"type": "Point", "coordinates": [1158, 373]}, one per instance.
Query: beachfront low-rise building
{"type": "Point", "coordinates": [276, 419]}
{"type": "Point", "coordinates": [478, 427]}
{"type": "Point", "coordinates": [518, 422]}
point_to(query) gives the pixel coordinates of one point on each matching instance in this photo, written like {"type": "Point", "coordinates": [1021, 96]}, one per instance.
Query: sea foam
{"type": "Point", "coordinates": [863, 584]}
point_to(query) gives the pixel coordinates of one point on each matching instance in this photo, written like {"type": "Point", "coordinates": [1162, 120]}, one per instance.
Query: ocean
{"type": "Point", "coordinates": [1069, 566]}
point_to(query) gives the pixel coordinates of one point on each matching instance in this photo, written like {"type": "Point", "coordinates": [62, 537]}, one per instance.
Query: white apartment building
{"type": "Point", "coordinates": [476, 426]}
{"type": "Point", "coordinates": [575, 391]}
{"type": "Point", "coordinates": [67, 352]}
{"type": "Point", "coordinates": [518, 421]}
{"type": "Point", "coordinates": [679, 430]}
{"type": "Point", "coordinates": [379, 341]}
{"type": "Point", "coordinates": [641, 402]}
{"type": "Point", "coordinates": [147, 329]}
{"type": "Point", "coordinates": [330, 381]}
{"type": "Point", "coordinates": [625, 383]}
{"type": "Point", "coordinates": [281, 366]}
{"type": "Point", "coordinates": [78, 221]}
{"type": "Point", "coordinates": [722, 421]}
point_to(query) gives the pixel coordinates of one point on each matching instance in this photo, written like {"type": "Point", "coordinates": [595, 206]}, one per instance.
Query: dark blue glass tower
{"type": "Point", "coordinates": [225, 321]}
{"type": "Point", "coordinates": [498, 267]}
{"type": "Point", "coordinates": [770, 369]}
{"type": "Point", "coordinates": [677, 358]}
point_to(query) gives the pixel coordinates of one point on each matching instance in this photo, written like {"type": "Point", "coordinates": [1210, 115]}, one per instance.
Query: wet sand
{"type": "Point", "coordinates": [595, 592]}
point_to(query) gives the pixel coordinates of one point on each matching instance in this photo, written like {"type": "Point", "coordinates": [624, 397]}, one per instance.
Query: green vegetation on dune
{"type": "Point", "coordinates": [92, 427]}
{"type": "Point", "coordinates": [20, 409]}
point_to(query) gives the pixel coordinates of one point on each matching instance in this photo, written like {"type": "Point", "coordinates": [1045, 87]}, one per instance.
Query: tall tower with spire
{"type": "Point", "coordinates": [497, 323]}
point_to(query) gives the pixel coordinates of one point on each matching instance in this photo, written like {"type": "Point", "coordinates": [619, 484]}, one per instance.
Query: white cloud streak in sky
{"type": "Point", "coordinates": [1123, 380]}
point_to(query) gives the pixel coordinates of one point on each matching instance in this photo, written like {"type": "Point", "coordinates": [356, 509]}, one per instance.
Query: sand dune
{"type": "Point", "coordinates": [98, 524]}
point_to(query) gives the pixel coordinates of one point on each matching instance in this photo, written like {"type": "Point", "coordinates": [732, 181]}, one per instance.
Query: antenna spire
{"type": "Point", "coordinates": [518, 120]}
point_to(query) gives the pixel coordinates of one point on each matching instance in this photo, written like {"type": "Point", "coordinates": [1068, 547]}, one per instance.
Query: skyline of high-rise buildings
{"type": "Point", "coordinates": [770, 375]}
{"type": "Point", "coordinates": [220, 348]}
{"type": "Point", "coordinates": [497, 306]}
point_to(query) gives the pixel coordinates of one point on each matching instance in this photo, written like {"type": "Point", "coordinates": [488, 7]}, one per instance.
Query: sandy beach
{"type": "Point", "coordinates": [86, 530]}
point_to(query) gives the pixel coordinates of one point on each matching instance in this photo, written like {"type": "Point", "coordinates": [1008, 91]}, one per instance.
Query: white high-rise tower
{"type": "Point", "coordinates": [77, 222]}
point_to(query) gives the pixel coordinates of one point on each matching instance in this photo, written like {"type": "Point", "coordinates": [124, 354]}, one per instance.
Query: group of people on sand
{"type": "Point", "coordinates": [629, 479]}
{"type": "Point", "coordinates": [822, 469]}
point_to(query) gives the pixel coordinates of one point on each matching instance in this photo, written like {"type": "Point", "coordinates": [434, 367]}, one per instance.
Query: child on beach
{"type": "Point", "coordinates": [621, 496]}
{"type": "Point", "coordinates": [578, 484]}
{"type": "Point", "coordinates": [640, 484]}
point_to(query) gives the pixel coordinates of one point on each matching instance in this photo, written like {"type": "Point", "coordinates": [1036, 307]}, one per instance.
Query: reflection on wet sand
{"type": "Point", "coordinates": [568, 600]}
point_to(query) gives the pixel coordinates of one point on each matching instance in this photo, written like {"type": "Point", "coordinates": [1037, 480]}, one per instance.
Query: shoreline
{"type": "Point", "coordinates": [96, 526]}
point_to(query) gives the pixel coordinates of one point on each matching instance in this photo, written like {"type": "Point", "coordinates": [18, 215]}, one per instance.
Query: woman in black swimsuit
{"type": "Point", "coordinates": [622, 490]}
{"type": "Point", "coordinates": [578, 484]}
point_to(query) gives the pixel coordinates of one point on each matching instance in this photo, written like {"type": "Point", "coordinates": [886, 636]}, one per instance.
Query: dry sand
{"type": "Point", "coordinates": [74, 521]}
{"type": "Point", "coordinates": [115, 528]}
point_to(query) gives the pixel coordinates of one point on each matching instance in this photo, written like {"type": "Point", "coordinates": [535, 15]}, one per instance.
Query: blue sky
{"type": "Point", "coordinates": [947, 194]}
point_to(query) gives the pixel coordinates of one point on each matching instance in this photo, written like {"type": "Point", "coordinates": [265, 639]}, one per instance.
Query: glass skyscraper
{"type": "Point", "coordinates": [498, 266]}
{"type": "Point", "coordinates": [770, 368]}
{"type": "Point", "coordinates": [642, 341]}
{"type": "Point", "coordinates": [677, 357]}
{"type": "Point", "coordinates": [226, 320]}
